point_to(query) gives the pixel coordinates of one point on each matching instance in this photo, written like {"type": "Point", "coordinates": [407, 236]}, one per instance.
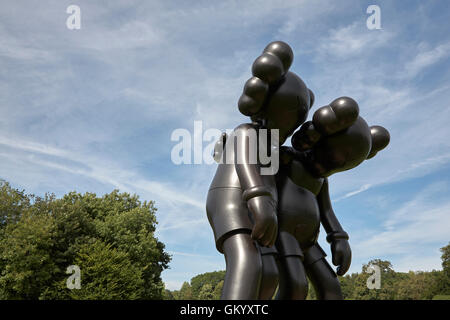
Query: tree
{"type": "Point", "coordinates": [25, 254]}
{"type": "Point", "coordinates": [107, 273]}
{"type": "Point", "coordinates": [416, 286]}
{"type": "Point", "coordinates": [185, 292]}
{"type": "Point", "coordinates": [446, 258]}
{"type": "Point", "coordinates": [348, 285]}
{"type": "Point", "coordinates": [212, 278]}
{"type": "Point", "coordinates": [444, 278]}
{"type": "Point", "coordinates": [217, 293]}
{"type": "Point", "coordinates": [387, 289]}
{"type": "Point", "coordinates": [12, 203]}
{"type": "Point", "coordinates": [168, 295]}
{"type": "Point", "coordinates": [41, 237]}
{"type": "Point", "coordinates": [206, 292]}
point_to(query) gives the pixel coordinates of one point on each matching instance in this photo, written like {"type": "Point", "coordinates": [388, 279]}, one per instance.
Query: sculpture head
{"type": "Point", "coordinates": [338, 139]}
{"type": "Point", "coordinates": [274, 96]}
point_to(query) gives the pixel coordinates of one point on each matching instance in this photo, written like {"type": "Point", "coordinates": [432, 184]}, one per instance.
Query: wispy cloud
{"type": "Point", "coordinates": [352, 193]}
{"type": "Point", "coordinates": [426, 58]}
{"type": "Point", "coordinates": [103, 171]}
{"type": "Point", "coordinates": [417, 224]}
{"type": "Point", "coordinates": [352, 41]}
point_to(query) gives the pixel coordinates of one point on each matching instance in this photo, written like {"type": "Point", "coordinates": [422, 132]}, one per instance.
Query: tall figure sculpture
{"type": "Point", "coordinates": [337, 139]}
{"type": "Point", "coordinates": [242, 202]}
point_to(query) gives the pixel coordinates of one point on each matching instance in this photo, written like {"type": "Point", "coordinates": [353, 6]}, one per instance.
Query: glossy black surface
{"type": "Point", "coordinates": [337, 139]}
{"type": "Point", "coordinates": [274, 98]}
{"type": "Point", "coordinates": [267, 225]}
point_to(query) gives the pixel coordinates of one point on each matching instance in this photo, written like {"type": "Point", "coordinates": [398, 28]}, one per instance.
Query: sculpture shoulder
{"type": "Point", "coordinates": [295, 170]}
{"type": "Point", "coordinates": [244, 128]}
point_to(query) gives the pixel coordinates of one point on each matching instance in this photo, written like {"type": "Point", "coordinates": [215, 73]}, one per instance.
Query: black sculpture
{"type": "Point", "coordinates": [337, 139]}
{"type": "Point", "coordinates": [249, 211]}
{"type": "Point", "coordinates": [241, 203]}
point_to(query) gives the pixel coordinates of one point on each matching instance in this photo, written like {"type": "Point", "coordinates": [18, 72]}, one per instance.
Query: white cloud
{"type": "Point", "coordinates": [426, 58]}
{"type": "Point", "coordinates": [351, 40]}
{"type": "Point", "coordinates": [103, 171]}
{"type": "Point", "coordinates": [420, 223]}
{"type": "Point", "coordinates": [353, 193]}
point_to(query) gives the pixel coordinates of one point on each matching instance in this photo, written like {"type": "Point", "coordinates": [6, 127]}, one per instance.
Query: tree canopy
{"type": "Point", "coordinates": [110, 238]}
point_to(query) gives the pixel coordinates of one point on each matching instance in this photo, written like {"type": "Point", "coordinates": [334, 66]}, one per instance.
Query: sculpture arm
{"type": "Point", "coordinates": [327, 217]}
{"type": "Point", "coordinates": [340, 248]}
{"type": "Point", "coordinates": [258, 196]}
{"type": "Point", "coordinates": [245, 160]}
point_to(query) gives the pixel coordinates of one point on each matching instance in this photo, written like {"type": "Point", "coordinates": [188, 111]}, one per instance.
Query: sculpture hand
{"type": "Point", "coordinates": [339, 115]}
{"type": "Point", "coordinates": [342, 255]}
{"type": "Point", "coordinates": [264, 215]}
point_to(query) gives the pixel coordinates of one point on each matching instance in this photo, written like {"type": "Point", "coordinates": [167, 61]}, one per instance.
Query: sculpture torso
{"type": "Point", "coordinates": [226, 209]}
{"type": "Point", "coordinates": [298, 210]}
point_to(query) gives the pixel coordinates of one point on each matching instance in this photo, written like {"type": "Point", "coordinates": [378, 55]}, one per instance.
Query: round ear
{"type": "Point", "coordinates": [380, 139]}
{"type": "Point", "coordinates": [273, 63]}
{"type": "Point", "coordinates": [268, 69]}
{"type": "Point", "coordinates": [338, 115]}
{"type": "Point", "coordinates": [252, 99]}
{"type": "Point", "coordinates": [282, 51]}
{"type": "Point", "coordinates": [311, 98]}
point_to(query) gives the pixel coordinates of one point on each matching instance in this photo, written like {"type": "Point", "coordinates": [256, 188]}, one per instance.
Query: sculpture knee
{"type": "Point", "coordinates": [244, 268]}
{"type": "Point", "coordinates": [325, 280]}
{"type": "Point", "coordinates": [300, 289]}
{"type": "Point", "coordinates": [293, 288]}
{"type": "Point", "coordinates": [270, 276]}
{"type": "Point", "coordinates": [270, 273]}
{"type": "Point", "coordinates": [242, 256]}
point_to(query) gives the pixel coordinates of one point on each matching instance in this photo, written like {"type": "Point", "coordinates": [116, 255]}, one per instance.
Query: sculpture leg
{"type": "Point", "coordinates": [293, 283]}
{"type": "Point", "coordinates": [244, 268]}
{"type": "Point", "coordinates": [269, 280]}
{"type": "Point", "coordinates": [324, 279]}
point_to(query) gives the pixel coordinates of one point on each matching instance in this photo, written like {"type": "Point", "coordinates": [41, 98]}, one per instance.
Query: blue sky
{"type": "Point", "coordinates": [93, 109]}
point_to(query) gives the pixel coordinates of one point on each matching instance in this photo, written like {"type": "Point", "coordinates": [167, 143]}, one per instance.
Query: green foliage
{"type": "Point", "coordinates": [444, 279]}
{"type": "Point", "coordinates": [416, 286]}
{"type": "Point", "coordinates": [168, 295]}
{"type": "Point", "coordinates": [185, 292]}
{"type": "Point", "coordinates": [394, 285]}
{"type": "Point", "coordinates": [388, 277]}
{"type": "Point", "coordinates": [446, 258]}
{"type": "Point", "coordinates": [206, 286]}
{"type": "Point", "coordinates": [108, 273]}
{"type": "Point", "coordinates": [206, 292]}
{"type": "Point", "coordinates": [212, 278]}
{"type": "Point", "coordinates": [217, 292]}
{"type": "Point", "coordinates": [12, 203]}
{"type": "Point", "coordinates": [441, 297]}
{"type": "Point", "coordinates": [25, 253]}
{"type": "Point", "coordinates": [111, 238]}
